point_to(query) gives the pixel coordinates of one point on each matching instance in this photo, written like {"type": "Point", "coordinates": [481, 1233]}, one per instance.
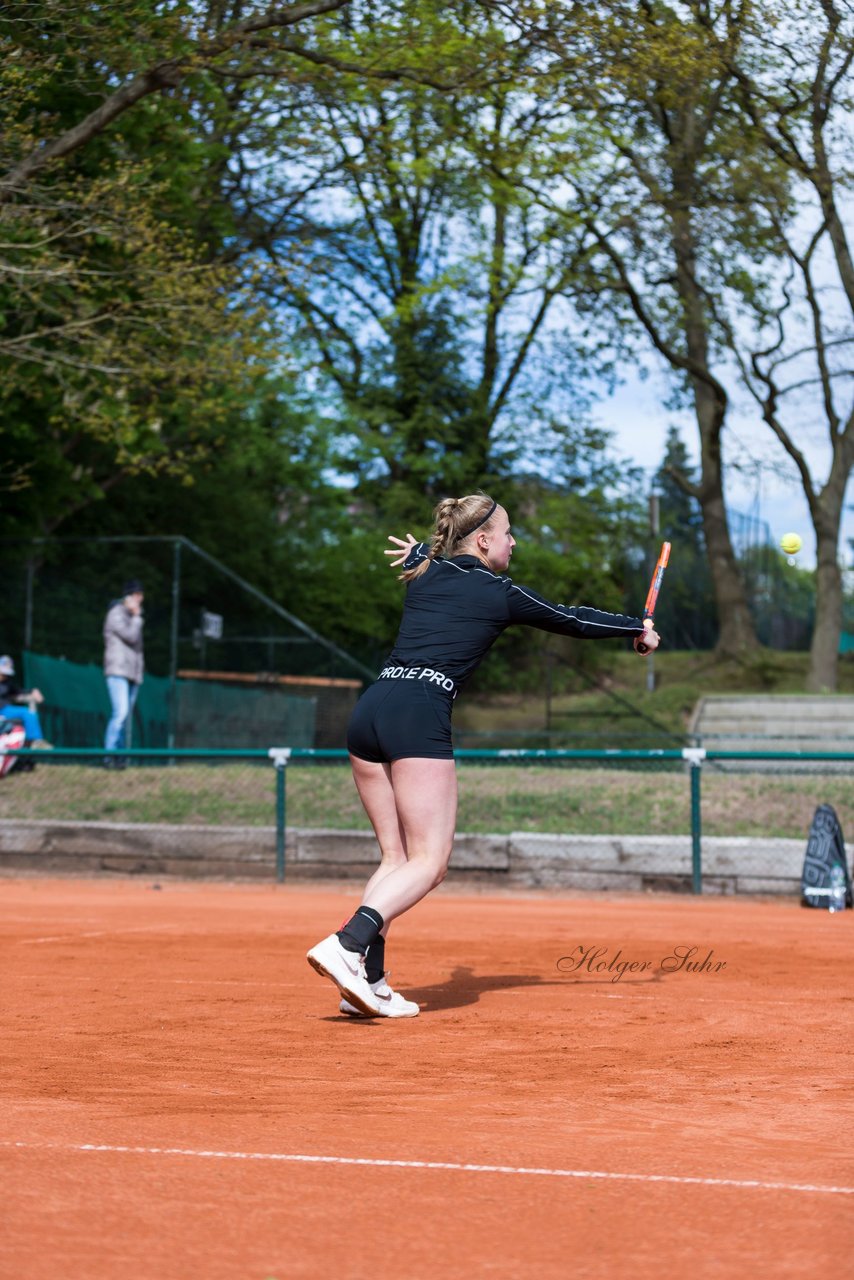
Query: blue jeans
{"type": "Point", "coordinates": [122, 697]}
{"type": "Point", "coordinates": [32, 725]}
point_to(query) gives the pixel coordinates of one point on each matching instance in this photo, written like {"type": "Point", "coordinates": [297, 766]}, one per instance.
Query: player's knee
{"type": "Point", "coordinates": [391, 859]}
{"type": "Point", "coordinates": [441, 871]}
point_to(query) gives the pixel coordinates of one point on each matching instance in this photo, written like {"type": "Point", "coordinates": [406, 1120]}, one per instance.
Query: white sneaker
{"type": "Point", "coordinates": [391, 1003]}
{"type": "Point", "coordinates": [347, 971]}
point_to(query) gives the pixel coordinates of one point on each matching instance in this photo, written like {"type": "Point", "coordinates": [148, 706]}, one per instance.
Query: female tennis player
{"type": "Point", "coordinates": [458, 601]}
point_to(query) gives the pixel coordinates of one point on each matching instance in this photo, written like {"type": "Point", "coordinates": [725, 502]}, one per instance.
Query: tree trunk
{"type": "Point", "coordinates": [736, 630]}
{"type": "Point", "coordinates": [824, 649]}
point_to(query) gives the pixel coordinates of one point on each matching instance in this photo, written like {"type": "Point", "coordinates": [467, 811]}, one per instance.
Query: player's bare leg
{"type": "Point", "coordinates": [412, 805]}
{"type": "Point", "coordinates": [425, 795]}
{"type": "Point", "coordinates": [374, 785]}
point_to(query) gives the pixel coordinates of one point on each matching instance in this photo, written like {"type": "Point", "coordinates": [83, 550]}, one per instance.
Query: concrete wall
{"type": "Point", "coordinates": [519, 860]}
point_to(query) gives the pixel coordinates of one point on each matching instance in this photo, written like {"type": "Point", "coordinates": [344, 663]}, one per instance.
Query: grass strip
{"type": "Point", "coordinates": [557, 799]}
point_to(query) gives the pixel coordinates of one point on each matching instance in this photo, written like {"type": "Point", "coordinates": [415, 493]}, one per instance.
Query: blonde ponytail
{"type": "Point", "coordinates": [454, 520]}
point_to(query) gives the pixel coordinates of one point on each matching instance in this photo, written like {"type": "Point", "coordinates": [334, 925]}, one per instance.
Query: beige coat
{"type": "Point", "coordinates": [123, 643]}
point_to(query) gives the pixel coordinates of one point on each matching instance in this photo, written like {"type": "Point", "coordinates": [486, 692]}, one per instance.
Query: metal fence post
{"type": "Point", "coordinates": [280, 757]}
{"type": "Point", "coordinates": [173, 642]}
{"type": "Point", "coordinates": [28, 603]}
{"type": "Point", "coordinates": [695, 757]}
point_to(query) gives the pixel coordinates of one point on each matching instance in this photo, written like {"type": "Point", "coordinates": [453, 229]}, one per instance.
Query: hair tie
{"type": "Point", "coordinates": [470, 531]}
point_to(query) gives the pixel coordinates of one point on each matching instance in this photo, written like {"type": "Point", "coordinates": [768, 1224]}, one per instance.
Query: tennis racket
{"type": "Point", "coordinates": [654, 588]}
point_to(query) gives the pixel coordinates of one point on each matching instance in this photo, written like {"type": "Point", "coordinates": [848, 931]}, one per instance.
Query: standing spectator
{"type": "Point", "coordinates": [20, 704]}
{"type": "Point", "coordinates": [123, 665]}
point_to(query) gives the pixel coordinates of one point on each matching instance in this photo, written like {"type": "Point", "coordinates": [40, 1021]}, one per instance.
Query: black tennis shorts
{"type": "Point", "coordinates": [396, 719]}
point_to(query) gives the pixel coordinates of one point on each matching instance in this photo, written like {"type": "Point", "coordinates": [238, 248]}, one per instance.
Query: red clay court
{"type": "Point", "coordinates": [182, 1099]}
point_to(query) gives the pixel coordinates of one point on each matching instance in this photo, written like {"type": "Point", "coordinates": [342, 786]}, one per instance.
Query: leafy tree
{"type": "Point", "coordinates": [795, 87]}
{"type": "Point", "coordinates": [673, 216]}
{"type": "Point", "coordinates": [150, 47]}
{"type": "Point", "coordinates": [129, 224]}
{"type": "Point", "coordinates": [264, 505]}
{"type": "Point", "coordinates": [719, 127]}
{"type": "Point", "coordinates": [122, 339]}
{"type": "Point", "coordinates": [414, 261]}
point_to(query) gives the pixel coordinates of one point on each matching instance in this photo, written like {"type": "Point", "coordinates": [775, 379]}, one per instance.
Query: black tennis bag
{"type": "Point", "coordinates": [826, 880]}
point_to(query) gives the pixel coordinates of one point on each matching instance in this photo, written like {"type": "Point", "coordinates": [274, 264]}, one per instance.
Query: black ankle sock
{"type": "Point", "coordinates": [360, 931]}
{"type": "Point", "coordinates": [375, 960]}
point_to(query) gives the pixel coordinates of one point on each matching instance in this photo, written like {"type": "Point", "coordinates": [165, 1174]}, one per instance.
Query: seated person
{"type": "Point", "coordinates": [20, 704]}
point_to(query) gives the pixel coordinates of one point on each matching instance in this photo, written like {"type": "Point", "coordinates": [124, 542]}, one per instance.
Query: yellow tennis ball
{"type": "Point", "coordinates": [791, 543]}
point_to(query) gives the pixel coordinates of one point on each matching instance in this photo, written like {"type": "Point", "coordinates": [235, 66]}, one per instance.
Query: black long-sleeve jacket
{"type": "Point", "coordinates": [457, 609]}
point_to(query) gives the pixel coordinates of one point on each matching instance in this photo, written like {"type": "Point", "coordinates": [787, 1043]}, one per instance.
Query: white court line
{"type": "Point", "coordinates": [277, 1157]}
{"type": "Point", "coordinates": [133, 980]}
{"type": "Point", "coordinates": [252, 984]}
{"type": "Point", "coordinates": [103, 933]}
{"type": "Point", "coordinates": [227, 982]}
{"type": "Point", "coordinates": [634, 994]}
{"type": "Point", "coordinates": [629, 993]}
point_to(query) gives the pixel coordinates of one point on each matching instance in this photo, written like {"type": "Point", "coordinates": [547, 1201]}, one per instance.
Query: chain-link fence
{"type": "Point", "coordinates": [199, 614]}
{"type": "Point", "coordinates": [225, 710]}
{"type": "Point", "coordinates": [226, 666]}
{"type": "Point", "coordinates": [599, 820]}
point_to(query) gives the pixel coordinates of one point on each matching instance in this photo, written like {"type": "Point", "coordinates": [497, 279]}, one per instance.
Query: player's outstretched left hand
{"type": "Point", "coordinates": [650, 638]}
{"type": "Point", "coordinates": [401, 550]}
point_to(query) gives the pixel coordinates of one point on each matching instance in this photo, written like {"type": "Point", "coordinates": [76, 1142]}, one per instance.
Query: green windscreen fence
{"type": "Point", "coordinates": [217, 715]}
{"type": "Point", "coordinates": [76, 706]}
{"type": "Point", "coordinates": [207, 714]}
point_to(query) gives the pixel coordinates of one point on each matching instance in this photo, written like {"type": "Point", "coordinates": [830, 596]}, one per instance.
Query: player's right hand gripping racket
{"type": "Point", "coordinates": [654, 588]}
